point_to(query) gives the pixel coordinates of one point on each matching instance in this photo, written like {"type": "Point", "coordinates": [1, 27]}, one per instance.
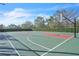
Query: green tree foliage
{"type": "Point", "coordinates": [27, 25]}
{"type": "Point", "coordinates": [2, 26]}
{"type": "Point", "coordinates": [50, 23]}
{"type": "Point", "coordinates": [12, 26]}
{"type": "Point", "coordinates": [39, 23]}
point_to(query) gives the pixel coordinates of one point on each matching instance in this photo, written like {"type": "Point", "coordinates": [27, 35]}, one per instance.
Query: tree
{"type": "Point", "coordinates": [2, 26]}
{"type": "Point", "coordinates": [12, 26]}
{"type": "Point", "coordinates": [39, 23]}
{"type": "Point", "coordinates": [27, 25]}
{"type": "Point", "coordinates": [50, 23]}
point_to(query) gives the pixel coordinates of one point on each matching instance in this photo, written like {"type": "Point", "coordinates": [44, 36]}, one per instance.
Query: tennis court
{"type": "Point", "coordinates": [38, 43]}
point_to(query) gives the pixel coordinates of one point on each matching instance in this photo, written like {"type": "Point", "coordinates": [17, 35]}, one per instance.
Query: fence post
{"type": "Point", "coordinates": [74, 28]}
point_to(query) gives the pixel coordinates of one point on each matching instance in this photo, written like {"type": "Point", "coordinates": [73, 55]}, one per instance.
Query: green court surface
{"type": "Point", "coordinates": [37, 43]}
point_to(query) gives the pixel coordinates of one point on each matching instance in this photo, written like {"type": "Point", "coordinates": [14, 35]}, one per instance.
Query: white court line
{"type": "Point", "coordinates": [56, 46]}
{"type": "Point", "coordinates": [13, 46]}
{"type": "Point", "coordinates": [37, 44]}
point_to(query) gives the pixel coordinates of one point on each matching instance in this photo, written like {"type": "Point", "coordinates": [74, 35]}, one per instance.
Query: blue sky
{"type": "Point", "coordinates": [18, 13]}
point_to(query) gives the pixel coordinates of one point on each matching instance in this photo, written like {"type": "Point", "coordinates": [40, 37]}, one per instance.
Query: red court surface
{"type": "Point", "coordinates": [58, 35]}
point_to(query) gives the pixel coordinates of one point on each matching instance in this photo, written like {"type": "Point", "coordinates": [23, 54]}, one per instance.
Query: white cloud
{"type": "Point", "coordinates": [17, 12]}
{"type": "Point", "coordinates": [43, 15]}
{"type": "Point", "coordinates": [16, 16]}
{"type": "Point", "coordinates": [19, 9]}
